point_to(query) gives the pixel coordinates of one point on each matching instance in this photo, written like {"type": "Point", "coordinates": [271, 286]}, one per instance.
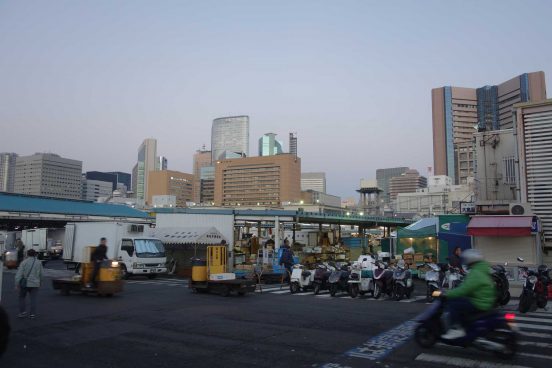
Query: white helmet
{"type": "Point", "coordinates": [470, 256]}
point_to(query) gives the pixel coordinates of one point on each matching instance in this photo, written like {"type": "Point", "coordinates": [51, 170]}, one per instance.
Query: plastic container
{"type": "Point", "coordinates": [199, 270]}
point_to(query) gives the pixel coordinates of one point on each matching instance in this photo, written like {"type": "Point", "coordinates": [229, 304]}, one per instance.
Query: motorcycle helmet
{"type": "Point", "coordinates": [471, 256]}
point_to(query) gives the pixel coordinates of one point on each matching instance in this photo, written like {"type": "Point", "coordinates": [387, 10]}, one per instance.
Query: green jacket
{"type": "Point", "coordinates": [33, 272]}
{"type": "Point", "coordinates": [478, 287]}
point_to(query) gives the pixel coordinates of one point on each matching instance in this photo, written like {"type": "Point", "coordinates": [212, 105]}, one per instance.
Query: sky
{"type": "Point", "coordinates": [90, 80]}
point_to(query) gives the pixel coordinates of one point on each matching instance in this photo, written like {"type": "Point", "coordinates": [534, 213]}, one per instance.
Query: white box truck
{"type": "Point", "coordinates": [46, 242]}
{"type": "Point", "coordinates": [131, 244]}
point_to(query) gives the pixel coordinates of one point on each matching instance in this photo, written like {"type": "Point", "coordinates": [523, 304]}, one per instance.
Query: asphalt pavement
{"type": "Point", "coordinates": [161, 323]}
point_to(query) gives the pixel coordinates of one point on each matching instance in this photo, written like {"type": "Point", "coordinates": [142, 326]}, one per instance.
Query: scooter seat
{"type": "Point", "coordinates": [480, 315]}
{"type": "Point", "coordinates": [306, 273]}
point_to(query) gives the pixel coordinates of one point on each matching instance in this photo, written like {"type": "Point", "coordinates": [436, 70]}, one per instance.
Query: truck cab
{"type": "Point", "coordinates": [142, 256]}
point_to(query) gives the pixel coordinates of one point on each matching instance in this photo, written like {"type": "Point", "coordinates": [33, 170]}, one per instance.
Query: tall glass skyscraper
{"type": "Point", "coordinates": [269, 146]}
{"type": "Point", "coordinates": [230, 137]}
{"type": "Point", "coordinates": [147, 156]}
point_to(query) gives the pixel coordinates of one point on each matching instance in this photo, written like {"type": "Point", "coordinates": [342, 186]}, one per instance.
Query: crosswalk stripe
{"type": "Point", "coordinates": [533, 343]}
{"type": "Point", "coordinates": [541, 335]}
{"type": "Point", "coordinates": [528, 326]}
{"type": "Point", "coordinates": [539, 356]}
{"type": "Point", "coordinates": [534, 319]}
{"type": "Point", "coordinates": [462, 362]}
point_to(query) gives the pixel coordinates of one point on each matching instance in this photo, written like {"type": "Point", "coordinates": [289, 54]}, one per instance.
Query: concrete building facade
{"type": "Point", "coordinates": [269, 145]}
{"type": "Point", "coordinates": [207, 185]}
{"type": "Point", "coordinates": [102, 176]}
{"type": "Point", "coordinates": [258, 181]}
{"type": "Point", "coordinates": [47, 174]}
{"type": "Point", "coordinates": [383, 176]}
{"type": "Point", "coordinates": [168, 182]}
{"type": "Point", "coordinates": [440, 197]}
{"type": "Point", "coordinates": [94, 189]}
{"type": "Point", "coordinates": [458, 113]}
{"type": "Point", "coordinates": [533, 129]}
{"type": "Point", "coordinates": [230, 137]}
{"type": "Point", "coordinates": [147, 162]}
{"type": "Point", "coordinates": [7, 171]}
{"type": "Point", "coordinates": [313, 181]}
{"type": "Point", "coordinates": [202, 158]}
{"type": "Point", "coordinates": [408, 182]}
{"type": "Point", "coordinates": [495, 176]}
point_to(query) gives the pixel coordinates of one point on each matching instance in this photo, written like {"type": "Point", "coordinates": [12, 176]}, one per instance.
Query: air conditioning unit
{"type": "Point", "coordinates": [520, 209]}
{"type": "Point", "coordinates": [136, 229]}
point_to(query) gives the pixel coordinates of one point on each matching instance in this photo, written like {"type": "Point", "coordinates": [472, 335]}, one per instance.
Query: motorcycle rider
{"type": "Point", "coordinates": [475, 295]}
{"type": "Point", "coordinates": [455, 260]}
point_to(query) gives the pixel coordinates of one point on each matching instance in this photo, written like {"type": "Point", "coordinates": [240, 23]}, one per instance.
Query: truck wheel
{"type": "Point", "coordinates": [124, 273]}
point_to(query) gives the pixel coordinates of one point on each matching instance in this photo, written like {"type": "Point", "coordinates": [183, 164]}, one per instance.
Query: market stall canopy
{"type": "Point", "coordinates": [189, 235]}
{"type": "Point", "coordinates": [500, 226]}
{"type": "Point", "coordinates": [424, 223]}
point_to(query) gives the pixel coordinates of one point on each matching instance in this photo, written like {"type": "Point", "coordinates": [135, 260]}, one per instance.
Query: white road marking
{"type": "Point", "coordinates": [269, 289]}
{"type": "Point", "coordinates": [280, 292]}
{"type": "Point", "coordinates": [305, 293]}
{"type": "Point", "coordinates": [462, 362]}
{"type": "Point", "coordinates": [323, 296]}
{"type": "Point", "coordinates": [413, 299]}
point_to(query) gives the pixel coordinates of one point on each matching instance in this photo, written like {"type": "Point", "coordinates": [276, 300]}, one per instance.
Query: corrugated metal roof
{"type": "Point", "coordinates": [188, 235]}
{"type": "Point", "coordinates": [35, 204]}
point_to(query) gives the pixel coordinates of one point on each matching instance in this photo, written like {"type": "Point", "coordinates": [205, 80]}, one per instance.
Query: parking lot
{"type": "Point", "coordinates": [160, 323]}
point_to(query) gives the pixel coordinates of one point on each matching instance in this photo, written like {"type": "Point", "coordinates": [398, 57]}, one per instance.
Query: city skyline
{"type": "Point", "coordinates": [339, 75]}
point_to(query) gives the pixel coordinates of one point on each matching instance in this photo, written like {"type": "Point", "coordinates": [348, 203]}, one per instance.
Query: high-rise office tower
{"type": "Point", "coordinates": [147, 156]}
{"type": "Point", "coordinates": [313, 181]}
{"type": "Point", "coordinates": [293, 143]}
{"type": "Point", "coordinates": [168, 182]}
{"type": "Point", "coordinates": [202, 158]}
{"type": "Point", "coordinates": [162, 163]}
{"type": "Point", "coordinates": [408, 182]}
{"type": "Point", "coordinates": [7, 171]}
{"type": "Point", "coordinates": [269, 146]}
{"type": "Point", "coordinates": [94, 189]}
{"type": "Point", "coordinates": [47, 174]}
{"type": "Point", "coordinates": [460, 112]}
{"type": "Point", "coordinates": [123, 178]}
{"type": "Point", "coordinates": [230, 137]}
{"type": "Point", "coordinates": [383, 176]}
{"type": "Point", "coordinates": [258, 181]}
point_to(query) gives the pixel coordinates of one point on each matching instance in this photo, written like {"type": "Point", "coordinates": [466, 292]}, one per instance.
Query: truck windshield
{"type": "Point", "coordinates": [149, 248]}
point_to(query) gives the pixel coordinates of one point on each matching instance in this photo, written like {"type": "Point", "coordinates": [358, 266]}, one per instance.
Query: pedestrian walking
{"type": "Point", "coordinates": [20, 250]}
{"type": "Point", "coordinates": [27, 281]}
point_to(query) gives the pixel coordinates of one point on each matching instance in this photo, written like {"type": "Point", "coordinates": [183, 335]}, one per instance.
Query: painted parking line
{"type": "Point", "coordinates": [381, 345]}
{"type": "Point", "coordinates": [323, 296]}
{"type": "Point", "coordinates": [413, 299]}
{"type": "Point", "coordinates": [462, 362]}
{"type": "Point", "coordinates": [269, 289]}
{"type": "Point", "coordinates": [305, 293]}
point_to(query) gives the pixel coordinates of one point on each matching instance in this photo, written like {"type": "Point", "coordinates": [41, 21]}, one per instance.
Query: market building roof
{"type": "Point", "coordinates": [19, 205]}
{"type": "Point", "coordinates": [189, 235]}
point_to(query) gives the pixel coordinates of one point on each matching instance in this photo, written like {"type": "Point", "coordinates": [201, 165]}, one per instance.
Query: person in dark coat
{"type": "Point", "coordinates": [455, 260]}
{"type": "Point", "coordinates": [97, 257]}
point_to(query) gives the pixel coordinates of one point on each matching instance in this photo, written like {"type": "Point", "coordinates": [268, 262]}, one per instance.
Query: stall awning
{"type": "Point", "coordinates": [500, 226]}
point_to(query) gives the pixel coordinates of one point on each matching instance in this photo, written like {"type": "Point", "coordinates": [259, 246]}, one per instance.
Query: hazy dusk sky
{"type": "Point", "coordinates": [90, 80]}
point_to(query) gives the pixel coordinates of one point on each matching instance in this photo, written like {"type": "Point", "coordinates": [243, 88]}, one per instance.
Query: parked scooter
{"type": "Point", "coordinates": [489, 331]}
{"type": "Point", "coordinates": [402, 281]}
{"type": "Point", "coordinates": [383, 278]}
{"type": "Point", "coordinates": [535, 287]}
{"type": "Point", "coordinates": [498, 273]}
{"type": "Point", "coordinates": [301, 279]}
{"type": "Point", "coordinates": [453, 278]}
{"type": "Point", "coordinates": [321, 276]}
{"type": "Point", "coordinates": [339, 280]}
{"type": "Point", "coordinates": [361, 279]}
{"type": "Point", "coordinates": [433, 276]}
